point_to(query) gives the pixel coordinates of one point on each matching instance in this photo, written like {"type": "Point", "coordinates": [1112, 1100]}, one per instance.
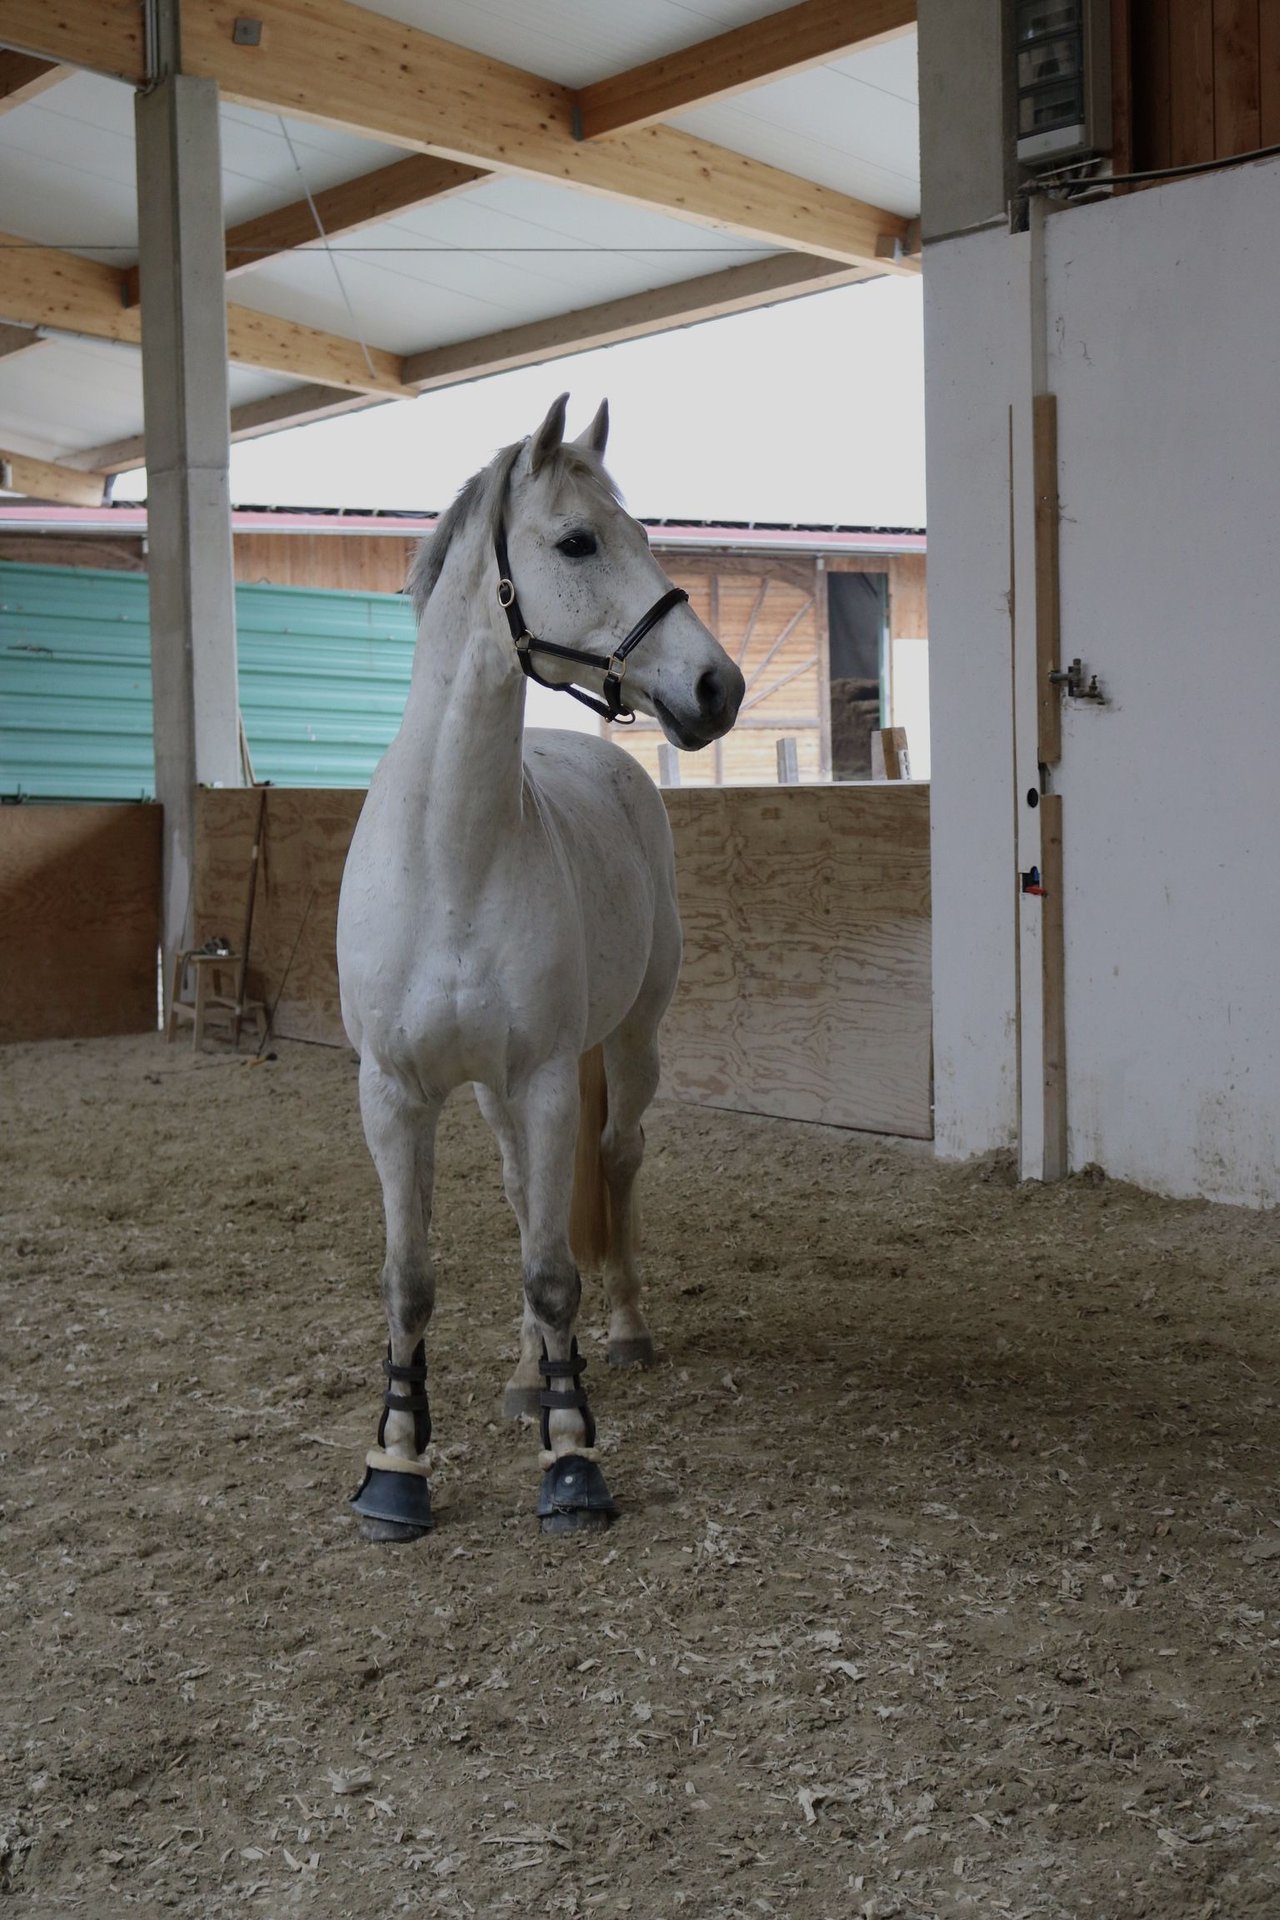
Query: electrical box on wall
{"type": "Point", "coordinates": [1062, 81]}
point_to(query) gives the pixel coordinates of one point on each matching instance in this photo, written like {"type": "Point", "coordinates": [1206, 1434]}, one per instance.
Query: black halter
{"type": "Point", "coordinates": [611, 707]}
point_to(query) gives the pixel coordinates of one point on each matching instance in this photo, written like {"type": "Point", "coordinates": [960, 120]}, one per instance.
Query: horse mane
{"type": "Point", "coordinates": [489, 486]}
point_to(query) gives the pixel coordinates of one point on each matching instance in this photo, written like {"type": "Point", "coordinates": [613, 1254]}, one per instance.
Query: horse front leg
{"type": "Point", "coordinates": [573, 1494]}
{"type": "Point", "coordinates": [522, 1395]}
{"type": "Point", "coordinates": [394, 1501]}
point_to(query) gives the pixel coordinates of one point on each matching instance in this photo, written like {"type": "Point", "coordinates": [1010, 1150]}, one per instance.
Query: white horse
{"type": "Point", "coordinates": [509, 902]}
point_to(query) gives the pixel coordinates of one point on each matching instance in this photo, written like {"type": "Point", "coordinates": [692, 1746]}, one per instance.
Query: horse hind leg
{"type": "Point", "coordinates": [631, 1067]}
{"type": "Point", "coordinates": [393, 1502]}
{"type": "Point", "coordinates": [589, 1211]}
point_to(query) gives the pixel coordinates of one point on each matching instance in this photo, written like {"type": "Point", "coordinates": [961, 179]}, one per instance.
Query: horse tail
{"type": "Point", "coordinates": [589, 1208]}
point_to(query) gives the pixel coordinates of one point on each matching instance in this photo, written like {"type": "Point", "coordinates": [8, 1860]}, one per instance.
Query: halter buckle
{"type": "Point", "coordinates": [617, 668]}
{"type": "Point", "coordinates": [507, 595]}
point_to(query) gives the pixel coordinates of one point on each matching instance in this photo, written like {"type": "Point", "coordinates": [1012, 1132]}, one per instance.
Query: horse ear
{"type": "Point", "coordinates": [549, 437]}
{"type": "Point", "coordinates": [596, 437]}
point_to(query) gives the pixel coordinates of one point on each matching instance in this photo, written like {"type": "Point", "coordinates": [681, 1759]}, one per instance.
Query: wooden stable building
{"type": "Point", "coordinates": [829, 624]}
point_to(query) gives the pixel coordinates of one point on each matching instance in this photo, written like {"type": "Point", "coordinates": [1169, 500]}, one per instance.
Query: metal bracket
{"type": "Point", "coordinates": [247, 32]}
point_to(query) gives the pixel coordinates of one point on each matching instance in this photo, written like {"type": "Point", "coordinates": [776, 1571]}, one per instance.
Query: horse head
{"type": "Point", "coordinates": [578, 580]}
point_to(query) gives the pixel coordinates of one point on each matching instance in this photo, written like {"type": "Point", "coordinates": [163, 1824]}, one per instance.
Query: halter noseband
{"type": "Point", "coordinates": [611, 707]}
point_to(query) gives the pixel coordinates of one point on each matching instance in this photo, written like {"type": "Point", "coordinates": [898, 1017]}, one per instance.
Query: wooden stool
{"type": "Point", "coordinates": [215, 997]}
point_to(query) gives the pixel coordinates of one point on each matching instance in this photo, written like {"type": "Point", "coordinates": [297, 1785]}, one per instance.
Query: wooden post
{"type": "Point", "coordinates": [822, 629]}
{"type": "Point", "coordinates": [1040, 953]}
{"type": "Point", "coordinates": [1044, 433]}
{"type": "Point", "coordinates": [668, 766]}
{"type": "Point", "coordinates": [1053, 957]}
{"type": "Point", "coordinates": [788, 763]}
{"type": "Point", "coordinates": [889, 757]}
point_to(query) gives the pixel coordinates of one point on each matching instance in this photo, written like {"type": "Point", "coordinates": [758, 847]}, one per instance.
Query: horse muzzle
{"type": "Point", "coordinates": [717, 696]}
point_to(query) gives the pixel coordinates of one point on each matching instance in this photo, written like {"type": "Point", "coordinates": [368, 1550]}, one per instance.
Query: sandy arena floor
{"type": "Point", "coordinates": [947, 1579]}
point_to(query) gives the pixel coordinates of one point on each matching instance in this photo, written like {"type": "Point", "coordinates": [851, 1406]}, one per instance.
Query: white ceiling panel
{"type": "Point", "coordinates": [248, 383]}
{"type": "Point", "coordinates": [503, 253]}
{"type": "Point", "coordinates": [67, 394]}
{"type": "Point", "coordinates": [66, 168]}
{"type": "Point", "coordinates": [510, 252]}
{"type": "Point", "coordinates": [853, 125]}
{"type": "Point", "coordinates": [573, 41]}
{"type": "Point", "coordinates": [258, 170]}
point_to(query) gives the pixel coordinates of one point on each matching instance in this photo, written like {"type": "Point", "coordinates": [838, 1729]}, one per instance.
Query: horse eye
{"type": "Point", "coordinates": [576, 546]}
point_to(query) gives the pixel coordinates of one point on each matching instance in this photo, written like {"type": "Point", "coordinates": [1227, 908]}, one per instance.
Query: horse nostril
{"type": "Point", "coordinates": [719, 692]}
{"type": "Point", "coordinates": [711, 693]}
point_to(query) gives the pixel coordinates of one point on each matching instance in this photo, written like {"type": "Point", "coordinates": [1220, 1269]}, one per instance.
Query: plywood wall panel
{"type": "Point", "coordinates": [908, 598]}
{"type": "Point", "coordinates": [79, 921]}
{"type": "Point", "coordinates": [806, 987]}
{"type": "Point", "coordinates": [306, 833]}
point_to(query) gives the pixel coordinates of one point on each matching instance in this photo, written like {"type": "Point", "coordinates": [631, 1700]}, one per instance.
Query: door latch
{"type": "Point", "coordinates": [1072, 678]}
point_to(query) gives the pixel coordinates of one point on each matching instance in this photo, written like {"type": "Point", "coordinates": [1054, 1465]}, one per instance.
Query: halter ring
{"type": "Point", "coordinates": [506, 593]}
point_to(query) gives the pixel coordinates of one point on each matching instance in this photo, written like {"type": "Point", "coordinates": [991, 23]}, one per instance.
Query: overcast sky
{"type": "Point", "coordinates": [808, 411]}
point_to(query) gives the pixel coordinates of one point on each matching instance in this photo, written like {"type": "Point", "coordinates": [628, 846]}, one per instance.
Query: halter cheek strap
{"type": "Point", "coordinates": [615, 665]}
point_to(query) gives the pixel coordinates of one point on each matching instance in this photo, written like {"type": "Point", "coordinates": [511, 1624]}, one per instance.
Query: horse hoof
{"type": "Point", "coordinates": [632, 1353]}
{"type": "Point", "coordinates": [574, 1496]}
{"type": "Point", "coordinates": [389, 1533]}
{"type": "Point", "coordinates": [393, 1506]}
{"type": "Point", "coordinates": [521, 1402]}
{"type": "Point", "coordinates": [577, 1520]}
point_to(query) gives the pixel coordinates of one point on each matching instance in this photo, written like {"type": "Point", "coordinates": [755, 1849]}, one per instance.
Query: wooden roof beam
{"type": "Point", "coordinates": [105, 36]}
{"type": "Point", "coordinates": [43, 287]}
{"type": "Point", "coordinates": [329, 61]}
{"type": "Point", "coordinates": [44, 480]}
{"type": "Point", "coordinates": [342, 66]}
{"type": "Point", "coordinates": [658, 310]}
{"type": "Point", "coordinates": [23, 78]}
{"type": "Point", "coordinates": [295, 407]}
{"type": "Point", "coordinates": [405, 184]}
{"type": "Point", "coordinates": [715, 69]}
{"type": "Point", "coordinates": [710, 296]}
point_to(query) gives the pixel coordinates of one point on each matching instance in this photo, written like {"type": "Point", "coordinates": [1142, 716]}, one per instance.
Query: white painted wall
{"type": "Point", "coordinates": [909, 699]}
{"type": "Point", "coordinates": [1165, 356]}
{"type": "Point", "coordinates": [1163, 312]}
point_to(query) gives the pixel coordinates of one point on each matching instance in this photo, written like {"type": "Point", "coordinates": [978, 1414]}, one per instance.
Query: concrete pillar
{"type": "Point", "coordinates": [966, 156]}
{"type": "Point", "coordinates": [184, 369]}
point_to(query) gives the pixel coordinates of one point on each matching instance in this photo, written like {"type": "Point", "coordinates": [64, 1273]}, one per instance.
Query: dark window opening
{"type": "Point", "coordinates": [858, 626]}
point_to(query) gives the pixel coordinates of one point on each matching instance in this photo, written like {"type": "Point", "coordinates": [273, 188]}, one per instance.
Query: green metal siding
{"type": "Point", "coordinates": [323, 679]}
